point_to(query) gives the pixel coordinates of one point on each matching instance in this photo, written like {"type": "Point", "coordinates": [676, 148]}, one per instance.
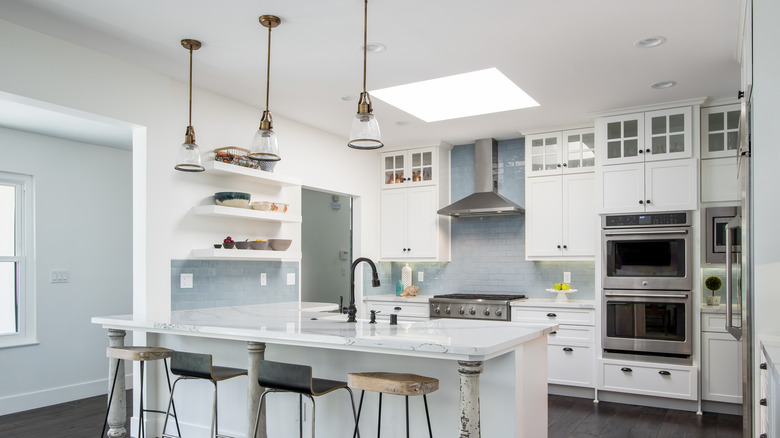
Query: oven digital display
{"type": "Point", "coordinates": [646, 258]}
{"type": "Point", "coordinates": [648, 321]}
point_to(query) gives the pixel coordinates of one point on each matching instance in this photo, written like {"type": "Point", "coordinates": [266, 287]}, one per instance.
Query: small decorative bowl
{"type": "Point", "coordinates": [279, 207]}
{"type": "Point", "coordinates": [217, 245]}
{"type": "Point", "coordinates": [262, 205]}
{"type": "Point", "coordinates": [279, 244]}
{"type": "Point", "coordinates": [232, 199]}
{"type": "Point", "coordinates": [229, 245]}
{"type": "Point", "coordinates": [242, 245]}
{"type": "Point", "coordinates": [258, 244]}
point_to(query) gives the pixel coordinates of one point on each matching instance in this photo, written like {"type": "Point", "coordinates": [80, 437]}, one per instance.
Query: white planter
{"type": "Point", "coordinates": [713, 301]}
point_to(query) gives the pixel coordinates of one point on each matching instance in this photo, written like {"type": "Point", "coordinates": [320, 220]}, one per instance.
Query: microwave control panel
{"type": "Point", "coordinates": [646, 220]}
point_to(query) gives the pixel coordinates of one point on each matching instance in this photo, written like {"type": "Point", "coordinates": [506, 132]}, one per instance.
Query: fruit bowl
{"type": "Point", "coordinates": [232, 199]}
{"type": "Point", "coordinates": [258, 244]}
{"type": "Point", "coordinates": [279, 244]}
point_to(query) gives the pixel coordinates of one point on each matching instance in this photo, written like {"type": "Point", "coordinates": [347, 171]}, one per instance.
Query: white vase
{"type": "Point", "coordinates": [713, 301]}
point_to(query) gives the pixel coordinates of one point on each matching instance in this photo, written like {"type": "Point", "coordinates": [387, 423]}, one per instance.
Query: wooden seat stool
{"type": "Point", "coordinates": [190, 366]}
{"type": "Point", "coordinates": [142, 355]}
{"type": "Point", "coordinates": [396, 384]}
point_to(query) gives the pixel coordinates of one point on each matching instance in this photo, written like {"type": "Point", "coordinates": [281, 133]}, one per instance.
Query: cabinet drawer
{"type": "Point", "coordinates": [401, 309]}
{"type": "Point", "coordinates": [649, 380]}
{"type": "Point", "coordinates": [716, 322]}
{"type": "Point", "coordinates": [570, 365]}
{"type": "Point", "coordinates": [559, 316]}
{"type": "Point", "coordinates": [572, 333]}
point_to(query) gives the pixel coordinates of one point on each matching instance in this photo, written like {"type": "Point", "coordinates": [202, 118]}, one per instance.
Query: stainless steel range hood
{"type": "Point", "coordinates": [485, 201]}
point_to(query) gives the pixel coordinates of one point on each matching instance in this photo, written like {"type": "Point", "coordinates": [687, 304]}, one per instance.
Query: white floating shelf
{"type": "Point", "coordinates": [245, 254]}
{"type": "Point", "coordinates": [245, 213]}
{"type": "Point", "coordinates": [255, 175]}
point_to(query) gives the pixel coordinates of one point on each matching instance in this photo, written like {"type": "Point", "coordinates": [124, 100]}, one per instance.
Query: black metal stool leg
{"type": "Point", "coordinates": [407, 416]}
{"type": "Point", "coordinates": [379, 422]}
{"type": "Point", "coordinates": [110, 397]}
{"type": "Point", "coordinates": [357, 418]}
{"type": "Point", "coordinates": [141, 405]}
{"type": "Point", "coordinates": [427, 417]}
{"type": "Point", "coordinates": [168, 378]}
{"type": "Point", "coordinates": [300, 415]}
{"type": "Point", "coordinates": [354, 413]}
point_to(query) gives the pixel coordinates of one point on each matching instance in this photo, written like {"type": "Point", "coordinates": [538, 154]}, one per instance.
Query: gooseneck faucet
{"type": "Point", "coordinates": [351, 309]}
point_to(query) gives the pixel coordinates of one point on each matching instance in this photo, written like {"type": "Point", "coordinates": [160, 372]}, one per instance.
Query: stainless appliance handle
{"type": "Point", "coordinates": [641, 295]}
{"type": "Point", "coordinates": [635, 232]}
{"type": "Point", "coordinates": [736, 332]}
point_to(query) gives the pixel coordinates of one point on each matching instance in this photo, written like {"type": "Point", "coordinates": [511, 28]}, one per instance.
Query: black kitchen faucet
{"type": "Point", "coordinates": [351, 309]}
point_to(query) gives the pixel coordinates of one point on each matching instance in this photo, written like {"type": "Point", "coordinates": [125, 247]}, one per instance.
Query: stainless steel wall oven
{"type": "Point", "coordinates": [646, 281]}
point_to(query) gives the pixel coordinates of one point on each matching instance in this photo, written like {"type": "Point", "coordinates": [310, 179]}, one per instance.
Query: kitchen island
{"type": "Point", "coordinates": [513, 355]}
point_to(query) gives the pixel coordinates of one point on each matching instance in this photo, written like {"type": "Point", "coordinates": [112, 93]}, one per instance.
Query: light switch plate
{"type": "Point", "coordinates": [567, 277]}
{"type": "Point", "coordinates": [263, 279]}
{"type": "Point", "coordinates": [290, 279]}
{"type": "Point", "coordinates": [185, 281]}
{"type": "Point", "coordinates": [59, 275]}
{"type": "Point", "coordinates": [420, 276]}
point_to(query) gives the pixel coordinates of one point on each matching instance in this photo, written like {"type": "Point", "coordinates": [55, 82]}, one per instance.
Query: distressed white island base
{"type": "Point", "coordinates": [493, 375]}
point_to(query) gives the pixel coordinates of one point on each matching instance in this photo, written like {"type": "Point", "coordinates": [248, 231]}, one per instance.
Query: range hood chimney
{"type": "Point", "coordinates": [485, 201]}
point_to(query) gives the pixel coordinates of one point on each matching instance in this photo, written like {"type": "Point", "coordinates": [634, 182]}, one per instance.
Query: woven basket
{"type": "Point", "coordinates": [235, 155]}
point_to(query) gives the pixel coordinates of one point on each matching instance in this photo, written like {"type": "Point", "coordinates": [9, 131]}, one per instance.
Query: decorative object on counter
{"type": "Point", "coordinates": [410, 291]}
{"type": "Point", "coordinates": [242, 245]}
{"type": "Point", "coordinates": [235, 155]}
{"type": "Point", "coordinates": [279, 207]}
{"type": "Point", "coordinates": [713, 283]}
{"type": "Point", "coordinates": [264, 145]}
{"type": "Point", "coordinates": [562, 289]}
{"type": "Point", "coordinates": [217, 245]}
{"type": "Point", "coordinates": [189, 153]}
{"type": "Point", "coordinates": [279, 244]}
{"type": "Point", "coordinates": [351, 309]}
{"type": "Point", "coordinates": [406, 276]}
{"type": "Point", "coordinates": [262, 205]}
{"type": "Point", "coordinates": [373, 316]}
{"type": "Point", "coordinates": [232, 199]}
{"type": "Point", "coordinates": [394, 319]}
{"type": "Point", "coordinates": [365, 132]}
{"type": "Point", "coordinates": [259, 244]}
{"type": "Point", "coordinates": [228, 243]}
{"type": "Point", "coordinates": [399, 288]}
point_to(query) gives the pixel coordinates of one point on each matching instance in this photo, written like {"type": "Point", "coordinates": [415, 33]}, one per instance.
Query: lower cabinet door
{"type": "Point", "coordinates": [650, 380]}
{"type": "Point", "coordinates": [570, 365]}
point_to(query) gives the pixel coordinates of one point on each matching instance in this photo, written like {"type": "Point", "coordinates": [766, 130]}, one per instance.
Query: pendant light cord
{"type": "Point", "coordinates": [365, 42]}
{"type": "Point", "coordinates": [268, 70]}
{"type": "Point", "coordinates": [190, 115]}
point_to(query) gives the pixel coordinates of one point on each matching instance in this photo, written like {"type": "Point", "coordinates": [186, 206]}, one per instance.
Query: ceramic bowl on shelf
{"type": "Point", "coordinates": [217, 245]}
{"type": "Point", "coordinates": [279, 244]}
{"type": "Point", "coordinates": [262, 205]}
{"type": "Point", "coordinates": [242, 245]}
{"type": "Point", "coordinates": [232, 199]}
{"type": "Point", "coordinates": [229, 245]}
{"type": "Point", "coordinates": [279, 207]}
{"type": "Point", "coordinates": [258, 244]}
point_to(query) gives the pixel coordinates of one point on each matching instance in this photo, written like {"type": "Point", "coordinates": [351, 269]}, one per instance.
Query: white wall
{"type": "Point", "coordinates": [83, 222]}
{"type": "Point", "coordinates": [40, 67]}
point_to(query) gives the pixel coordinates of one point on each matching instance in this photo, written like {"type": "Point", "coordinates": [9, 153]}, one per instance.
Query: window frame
{"type": "Point", "coordinates": [24, 258]}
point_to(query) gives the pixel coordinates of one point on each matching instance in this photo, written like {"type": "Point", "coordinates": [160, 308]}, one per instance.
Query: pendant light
{"type": "Point", "coordinates": [365, 128]}
{"type": "Point", "coordinates": [264, 145]}
{"type": "Point", "coordinates": [189, 153]}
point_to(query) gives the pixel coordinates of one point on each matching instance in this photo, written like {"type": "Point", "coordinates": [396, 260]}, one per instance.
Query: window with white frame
{"type": "Point", "coordinates": [17, 290]}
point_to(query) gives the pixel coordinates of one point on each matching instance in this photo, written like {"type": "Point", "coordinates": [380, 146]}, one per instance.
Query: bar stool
{"type": "Point", "coordinates": [396, 384]}
{"type": "Point", "coordinates": [190, 366]}
{"type": "Point", "coordinates": [142, 355]}
{"type": "Point", "coordinates": [287, 377]}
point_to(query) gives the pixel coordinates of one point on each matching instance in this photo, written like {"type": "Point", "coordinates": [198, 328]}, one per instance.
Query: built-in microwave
{"type": "Point", "coordinates": [647, 251]}
{"type": "Point", "coordinates": [715, 229]}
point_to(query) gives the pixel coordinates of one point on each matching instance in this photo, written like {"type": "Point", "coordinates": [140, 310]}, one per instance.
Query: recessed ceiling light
{"type": "Point", "coordinates": [649, 42]}
{"type": "Point", "coordinates": [374, 48]}
{"type": "Point", "coordinates": [464, 95]}
{"type": "Point", "coordinates": [401, 123]}
{"type": "Point", "coordinates": [347, 98]}
{"type": "Point", "coordinates": [663, 84]}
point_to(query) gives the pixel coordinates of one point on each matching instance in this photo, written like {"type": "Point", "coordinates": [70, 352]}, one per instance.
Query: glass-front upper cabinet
{"type": "Point", "coordinates": [720, 131]}
{"type": "Point", "coordinates": [408, 168]}
{"type": "Point", "coordinates": [649, 136]}
{"type": "Point", "coordinates": [624, 138]}
{"type": "Point", "coordinates": [556, 153]}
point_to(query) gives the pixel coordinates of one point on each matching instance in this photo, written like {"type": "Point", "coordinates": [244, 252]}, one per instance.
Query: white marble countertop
{"type": "Point", "coordinates": [288, 324]}
{"type": "Point", "coordinates": [718, 309]}
{"type": "Point", "coordinates": [396, 298]}
{"type": "Point", "coordinates": [551, 302]}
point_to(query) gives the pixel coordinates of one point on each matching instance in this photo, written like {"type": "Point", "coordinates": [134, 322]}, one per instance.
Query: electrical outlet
{"type": "Point", "coordinates": [420, 276]}
{"type": "Point", "coordinates": [290, 279]}
{"type": "Point", "coordinates": [567, 277]}
{"type": "Point", "coordinates": [263, 279]}
{"type": "Point", "coordinates": [59, 276]}
{"type": "Point", "coordinates": [185, 281]}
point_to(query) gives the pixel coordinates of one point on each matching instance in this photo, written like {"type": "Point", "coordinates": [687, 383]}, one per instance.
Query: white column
{"type": "Point", "coordinates": [469, 398]}
{"type": "Point", "coordinates": [117, 416]}
{"type": "Point", "coordinates": [256, 354]}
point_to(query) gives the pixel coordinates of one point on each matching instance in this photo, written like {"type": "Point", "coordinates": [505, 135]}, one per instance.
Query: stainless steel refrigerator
{"type": "Point", "coordinates": [739, 268]}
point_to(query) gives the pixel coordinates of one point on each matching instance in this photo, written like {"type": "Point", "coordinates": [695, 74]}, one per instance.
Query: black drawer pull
{"type": "Point", "coordinates": [552, 315]}
{"type": "Point", "coordinates": [626, 370]}
{"type": "Point", "coordinates": [763, 435]}
{"type": "Point", "coordinates": [397, 308]}
{"type": "Point", "coordinates": [762, 402]}
{"type": "Point", "coordinates": [553, 333]}
{"type": "Point", "coordinates": [567, 349]}
{"type": "Point", "coordinates": [762, 366]}
{"type": "Point", "coordinates": [664, 373]}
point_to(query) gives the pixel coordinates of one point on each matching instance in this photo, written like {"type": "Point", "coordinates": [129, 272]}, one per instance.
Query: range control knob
{"type": "Point", "coordinates": [472, 311]}
{"type": "Point", "coordinates": [437, 309]}
{"type": "Point", "coordinates": [487, 312]}
{"type": "Point", "coordinates": [499, 312]}
{"type": "Point", "coordinates": [461, 310]}
{"type": "Point", "coordinates": [447, 310]}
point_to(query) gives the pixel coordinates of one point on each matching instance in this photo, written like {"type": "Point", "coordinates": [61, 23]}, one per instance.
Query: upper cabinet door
{"type": "Point", "coordinates": [622, 137]}
{"type": "Point", "coordinates": [668, 134]}
{"type": "Point", "coordinates": [579, 150]}
{"type": "Point", "coordinates": [720, 131]}
{"type": "Point", "coordinates": [421, 168]}
{"type": "Point", "coordinates": [394, 170]}
{"type": "Point", "coordinates": [543, 154]}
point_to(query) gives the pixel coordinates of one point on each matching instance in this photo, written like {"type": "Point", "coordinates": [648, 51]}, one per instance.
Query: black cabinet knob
{"type": "Point", "coordinates": [762, 366]}
{"type": "Point", "coordinates": [559, 246]}
{"type": "Point", "coordinates": [641, 151]}
{"type": "Point", "coordinates": [762, 402]}
{"type": "Point", "coordinates": [647, 202]}
{"type": "Point", "coordinates": [552, 315]}
{"type": "Point", "coordinates": [564, 246]}
{"type": "Point", "coordinates": [565, 165]}
{"type": "Point", "coordinates": [647, 150]}
{"type": "Point", "coordinates": [626, 370]}
{"type": "Point", "coordinates": [559, 164]}
{"type": "Point", "coordinates": [641, 202]}
{"type": "Point", "coordinates": [763, 435]}
{"type": "Point", "coordinates": [567, 349]}
{"type": "Point", "coordinates": [664, 373]}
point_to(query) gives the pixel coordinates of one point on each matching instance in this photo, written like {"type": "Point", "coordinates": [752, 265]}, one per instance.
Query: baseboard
{"type": "Point", "coordinates": [53, 396]}
{"type": "Point", "coordinates": [721, 408]}
{"type": "Point", "coordinates": [646, 400]}
{"type": "Point", "coordinates": [571, 391]}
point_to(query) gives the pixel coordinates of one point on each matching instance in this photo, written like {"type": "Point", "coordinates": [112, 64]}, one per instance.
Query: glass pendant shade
{"type": "Point", "coordinates": [264, 146]}
{"type": "Point", "coordinates": [365, 132]}
{"type": "Point", "coordinates": [189, 154]}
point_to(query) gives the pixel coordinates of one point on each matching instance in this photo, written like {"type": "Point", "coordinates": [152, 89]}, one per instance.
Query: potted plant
{"type": "Point", "coordinates": [713, 283]}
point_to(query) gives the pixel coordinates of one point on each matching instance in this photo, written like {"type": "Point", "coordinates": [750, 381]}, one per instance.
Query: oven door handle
{"type": "Point", "coordinates": [641, 295]}
{"type": "Point", "coordinates": [635, 232]}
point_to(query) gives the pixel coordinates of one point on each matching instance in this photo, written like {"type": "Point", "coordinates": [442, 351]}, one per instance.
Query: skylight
{"type": "Point", "coordinates": [464, 95]}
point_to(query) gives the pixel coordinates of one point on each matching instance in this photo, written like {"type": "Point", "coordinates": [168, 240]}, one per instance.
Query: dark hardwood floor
{"type": "Point", "coordinates": [568, 418]}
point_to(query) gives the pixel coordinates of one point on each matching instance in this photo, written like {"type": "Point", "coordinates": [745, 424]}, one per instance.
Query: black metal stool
{"type": "Point", "coordinates": [287, 377]}
{"type": "Point", "coordinates": [199, 366]}
{"type": "Point", "coordinates": [142, 355]}
{"type": "Point", "coordinates": [396, 384]}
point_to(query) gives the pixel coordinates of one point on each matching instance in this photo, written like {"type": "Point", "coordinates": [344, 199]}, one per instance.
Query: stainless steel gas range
{"type": "Point", "coordinates": [472, 306]}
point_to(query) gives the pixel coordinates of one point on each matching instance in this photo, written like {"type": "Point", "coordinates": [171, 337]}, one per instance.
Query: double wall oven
{"type": "Point", "coordinates": [646, 281]}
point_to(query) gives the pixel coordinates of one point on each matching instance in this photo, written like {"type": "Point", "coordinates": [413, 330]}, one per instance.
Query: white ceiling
{"type": "Point", "coordinates": [574, 57]}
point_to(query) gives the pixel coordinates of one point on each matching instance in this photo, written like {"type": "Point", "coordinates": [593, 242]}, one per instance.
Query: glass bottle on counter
{"type": "Point", "coordinates": [399, 288]}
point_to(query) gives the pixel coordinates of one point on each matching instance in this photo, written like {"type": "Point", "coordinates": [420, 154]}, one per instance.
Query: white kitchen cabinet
{"type": "Point", "coordinates": [571, 356]}
{"type": "Point", "coordinates": [560, 217]}
{"type": "Point", "coordinates": [719, 180]}
{"type": "Point", "coordinates": [561, 152]}
{"type": "Point", "coordinates": [641, 378]}
{"type": "Point", "coordinates": [410, 309]}
{"type": "Point", "coordinates": [720, 131]}
{"type": "Point", "coordinates": [409, 168]}
{"type": "Point", "coordinates": [648, 136]}
{"type": "Point", "coordinates": [769, 389]}
{"type": "Point", "coordinates": [410, 228]}
{"type": "Point", "coordinates": [721, 378]}
{"type": "Point", "coordinates": [646, 187]}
